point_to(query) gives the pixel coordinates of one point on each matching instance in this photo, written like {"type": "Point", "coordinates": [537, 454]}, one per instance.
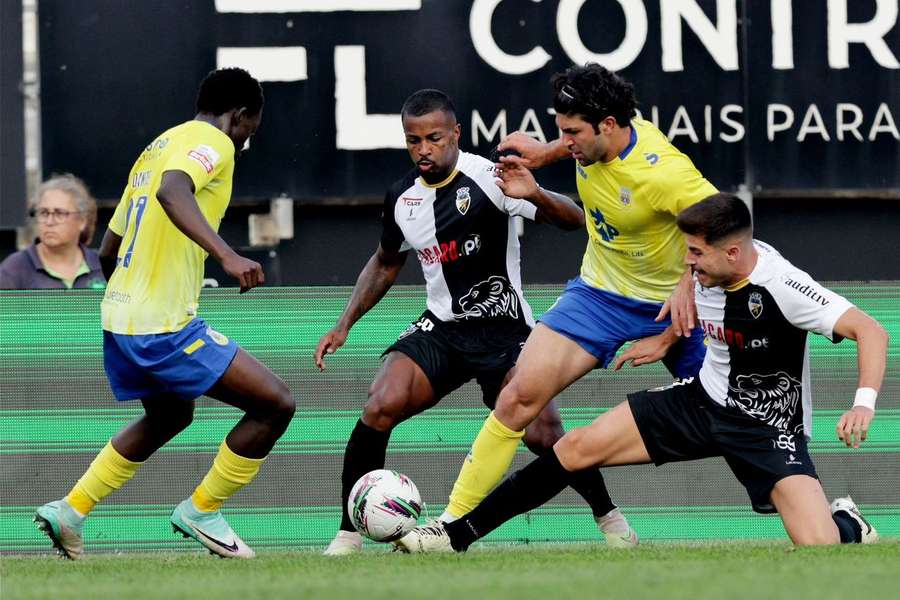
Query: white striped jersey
{"type": "Point", "coordinates": [757, 359]}
{"type": "Point", "coordinates": [463, 233]}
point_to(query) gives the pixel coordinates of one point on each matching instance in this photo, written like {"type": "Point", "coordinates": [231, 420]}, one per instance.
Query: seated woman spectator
{"type": "Point", "coordinates": [66, 216]}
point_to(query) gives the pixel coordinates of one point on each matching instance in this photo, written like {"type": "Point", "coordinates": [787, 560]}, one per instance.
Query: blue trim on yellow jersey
{"type": "Point", "coordinates": [631, 144]}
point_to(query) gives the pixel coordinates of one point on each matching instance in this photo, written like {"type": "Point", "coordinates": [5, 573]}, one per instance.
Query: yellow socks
{"type": "Point", "coordinates": [484, 467]}
{"type": "Point", "coordinates": [228, 474]}
{"type": "Point", "coordinates": [108, 472]}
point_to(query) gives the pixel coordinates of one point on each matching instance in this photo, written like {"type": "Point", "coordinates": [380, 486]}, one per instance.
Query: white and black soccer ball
{"type": "Point", "coordinates": [384, 505]}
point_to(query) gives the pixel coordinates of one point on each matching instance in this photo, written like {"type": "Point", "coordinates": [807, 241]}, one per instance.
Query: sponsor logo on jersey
{"type": "Point", "coordinates": [605, 230]}
{"type": "Point", "coordinates": [625, 196]}
{"type": "Point", "coordinates": [772, 398]}
{"type": "Point", "coordinates": [732, 338]}
{"type": "Point", "coordinates": [493, 297]}
{"type": "Point", "coordinates": [651, 157]}
{"type": "Point", "coordinates": [471, 245]}
{"type": "Point", "coordinates": [463, 200]}
{"type": "Point", "coordinates": [807, 290]}
{"type": "Point", "coordinates": [412, 204]}
{"type": "Point", "coordinates": [443, 253]}
{"type": "Point", "coordinates": [206, 156]}
{"type": "Point", "coordinates": [754, 303]}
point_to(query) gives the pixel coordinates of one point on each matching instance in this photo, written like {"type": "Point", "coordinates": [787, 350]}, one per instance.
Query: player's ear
{"type": "Point", "coordinates": [238, 114]}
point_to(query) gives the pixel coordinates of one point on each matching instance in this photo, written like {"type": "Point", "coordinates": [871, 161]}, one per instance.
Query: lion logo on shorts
{"type": "Point", "coordinates": [493, 297]}
{"type": "Point", "coordinates": [772, 398]}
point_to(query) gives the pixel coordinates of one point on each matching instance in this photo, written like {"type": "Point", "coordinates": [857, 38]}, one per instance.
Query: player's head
{"type": "Point", "coordinates": [590, 103]}
{"type": "Point", "coordinates": [235, 98]}
{"type": "Point", "coordinates": [719, 235]}
{"type": "Point", "coordinates": [432, 133]}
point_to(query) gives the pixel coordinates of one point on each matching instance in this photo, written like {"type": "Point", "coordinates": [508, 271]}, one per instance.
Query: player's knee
{"type": "Point", "coordinates": [517, 406]}
{"type": "Point", "coordinates": [283, 404]}
{"type": "Point", "coordinates": [824, 535]}
{"type": "Point", "coordinates": [543, 433]}
{"type": "Point", "coordinates": [574, 450]}
{"type": "Point", "coordinates": [385, 407]}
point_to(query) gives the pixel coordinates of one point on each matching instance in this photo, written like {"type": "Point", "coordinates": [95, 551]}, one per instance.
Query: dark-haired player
{"type": "Point", "coordinates": [633, 183]}
{"type": "Point", "coordinates": [458, 219]}
{"type": "Point", "coordinates": [155, 347]}
{"type": "Point", "coordinates": [750, 402]}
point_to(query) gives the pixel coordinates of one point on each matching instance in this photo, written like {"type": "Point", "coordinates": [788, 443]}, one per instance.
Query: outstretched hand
{"type": "Point", "coordinates": [329, 344]}
{"type": "Point", "coordinates": [533, 153]}
{"type": "Point", "coordinates": [514, 178]}
{"type": "Point", "coordinates": [853, 426]}
{"type": "Point", "coordinates": [682, 307]}
{"type": "Point", "coordinates": [643, 352]}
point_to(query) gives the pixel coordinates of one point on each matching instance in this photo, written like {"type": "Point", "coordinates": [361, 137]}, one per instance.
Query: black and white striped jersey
{"type": "Point", "coordinates": [463, 233]}
{"type": "Point", "coordinates": [757, 358]}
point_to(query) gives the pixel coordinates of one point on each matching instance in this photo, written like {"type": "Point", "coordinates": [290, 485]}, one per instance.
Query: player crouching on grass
{"type": "Point", "coordinates": [750, 403]}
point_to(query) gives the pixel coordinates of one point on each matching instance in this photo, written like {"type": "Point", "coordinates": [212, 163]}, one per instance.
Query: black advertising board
{"type": "Point", "coordinates": [779, 95]}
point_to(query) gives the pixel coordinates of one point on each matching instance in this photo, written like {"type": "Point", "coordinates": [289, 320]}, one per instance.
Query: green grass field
{"type": "Point", "coordinates": [720, 571]}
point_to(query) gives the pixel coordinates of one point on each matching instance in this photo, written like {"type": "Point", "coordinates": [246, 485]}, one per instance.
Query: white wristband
{"type": "Point", "coordinates": [865, 397]}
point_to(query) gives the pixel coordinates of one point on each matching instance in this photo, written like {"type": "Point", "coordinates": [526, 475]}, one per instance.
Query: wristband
{"type": "Point", "coordinates": [865, 397]}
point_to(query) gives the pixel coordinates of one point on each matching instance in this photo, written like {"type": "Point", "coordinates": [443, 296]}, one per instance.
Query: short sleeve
{"type": "Point", "coordinates": [117, 223]}
{"type": "Point", "coordinates": [201, 158]}
{"type": "Point", "coordinates": [518, 208]}
{"type": "Point", "coordinates": [392, 238]}
{"type": "Point", "coordinates": [808, 305]}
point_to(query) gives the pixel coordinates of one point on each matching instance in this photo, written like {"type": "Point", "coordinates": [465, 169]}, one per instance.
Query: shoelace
{"type": "Point", "coordinates": [433, 530]}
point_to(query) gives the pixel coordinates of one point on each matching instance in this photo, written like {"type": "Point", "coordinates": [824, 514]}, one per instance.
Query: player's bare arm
{"type": "Point", "coordinates": [871, 341]}
{"type": "Point", "coordinates": [681, 305]}
{"type": "Point", "coordinates": [648, 350]}
{"type": "Point", "coordinates": [535, 154]}
{"type": "Point", "coordinates": [516, 181]}
{"type": "Point", "coordinates": [109, 250]}
{"type": "Point", "coordinates": [373, 282]}
{"type": "Point", "coordinates": [176, 196]}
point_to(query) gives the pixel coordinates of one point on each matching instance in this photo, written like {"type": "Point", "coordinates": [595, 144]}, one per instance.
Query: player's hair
{"type": "Point", "coordinates": [594, 92]}
{"type": "Point", "coordinates": [78, 191]}
{"type": "Point", "coordinates": [226, 89]}
{"type": "Point", "coordinates": [427, 101]}
{"type": "Point", "coordinates": [716, 217]}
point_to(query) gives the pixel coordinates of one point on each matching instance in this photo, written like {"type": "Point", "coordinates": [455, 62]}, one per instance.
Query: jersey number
{"type": "Point", "coordinates": [137, 207]}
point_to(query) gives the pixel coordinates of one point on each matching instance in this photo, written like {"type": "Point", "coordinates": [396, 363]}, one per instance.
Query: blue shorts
{"type": "Point", "coordinates": [600, 322]}
{"type": "Point", "coordinates": [185, 363]}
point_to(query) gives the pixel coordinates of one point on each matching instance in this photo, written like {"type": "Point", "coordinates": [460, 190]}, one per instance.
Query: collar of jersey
{"type": "Point", "coordinates": [632, 142]}
{"type": "Point", "coordinates": [736, 286]}
{"type": "Point", "coordinates": [442, 183]}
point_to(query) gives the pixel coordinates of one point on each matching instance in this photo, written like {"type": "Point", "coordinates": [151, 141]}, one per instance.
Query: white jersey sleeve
{"type": "Point", "coordinates": [807, 304]}
{"type": "Point", "coordinates": [481, 170]}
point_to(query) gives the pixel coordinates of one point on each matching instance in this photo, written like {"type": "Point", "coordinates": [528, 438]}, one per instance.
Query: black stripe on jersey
{"type": "Point", "coordinates": [766, 357]}
{"type": "Point", "coordinates": [477, 233]}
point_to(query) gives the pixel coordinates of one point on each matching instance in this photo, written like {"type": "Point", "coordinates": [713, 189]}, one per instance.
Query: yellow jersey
{"type": "Point", "coordinates": [156, 285]}
{"type": "Point", "coordinates": [630, 204]}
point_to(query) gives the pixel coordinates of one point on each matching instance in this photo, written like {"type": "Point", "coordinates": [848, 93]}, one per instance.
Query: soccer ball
{"type": "Point", "coordinates": [384, 505]}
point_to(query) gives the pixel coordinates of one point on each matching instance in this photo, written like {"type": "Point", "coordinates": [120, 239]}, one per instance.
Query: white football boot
{"type": "Point", "coordinates": [846, 504]}
{"type": "Point", "coordinates": [344, 544]}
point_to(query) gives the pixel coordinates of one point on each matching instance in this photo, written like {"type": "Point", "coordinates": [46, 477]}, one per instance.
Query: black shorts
{"type": "Point", "coordinates": [680, 422]}
{"type": "Point", "coordinates": [451, 354]}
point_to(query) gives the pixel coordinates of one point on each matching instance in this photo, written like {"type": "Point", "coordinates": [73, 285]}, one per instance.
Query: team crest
{"type": "Point", "coordinates": [755, 304]}
{"type": "Point", "coordinates": [463, 200]}
{"type": "Point", "coordinates": [625, 196]}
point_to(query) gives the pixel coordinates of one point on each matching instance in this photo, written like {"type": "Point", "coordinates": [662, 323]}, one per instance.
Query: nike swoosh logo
{"type": "Point", "coordinates": [233, 547]}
